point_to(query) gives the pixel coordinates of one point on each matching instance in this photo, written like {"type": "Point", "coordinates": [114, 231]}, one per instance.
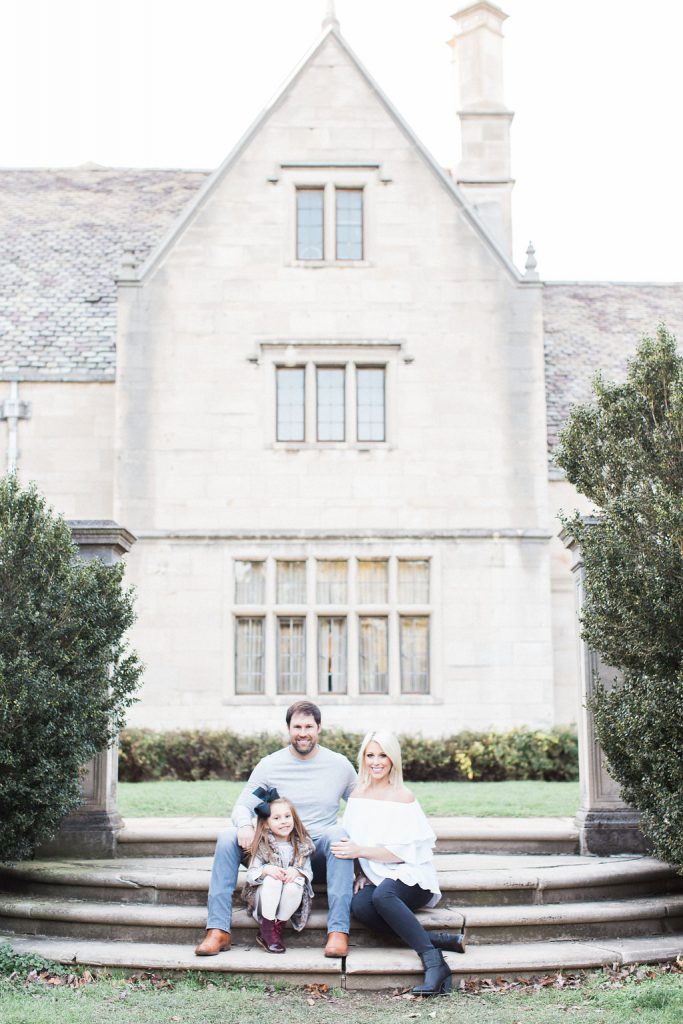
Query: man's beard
{"type": "Point", "coordinates": [303, 746]}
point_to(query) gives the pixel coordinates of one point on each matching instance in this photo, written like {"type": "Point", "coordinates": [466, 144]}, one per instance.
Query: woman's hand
{"type": "Point", "coordinates": [291, 874]}
{"type": "Point", "coordinates": [274, 871]}
{"type": "Point", "coordinates": [344, 849]}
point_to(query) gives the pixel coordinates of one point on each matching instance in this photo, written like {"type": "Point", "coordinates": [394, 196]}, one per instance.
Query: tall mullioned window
{"type": "Point", "coordinates": [349, 223]}
{"type": "Point", "coordinates": [310, 224]}
{"type": "Point", "coordinates": [332, 655]}
{"type": "Point", "coordinates": [320, 624]}
{"type": "Point", "coordinates": [368, 419]}
{"type": "Point", "coordinates": [249, 655]}
{"type": "Point", "coordinates": [331, 403]}
{"type": "Point", "coordinates": [370, 415]}
{"type": "Point", "coordinates": [291, 383]}
{"type": "Point", "coordinates": [291, 654]}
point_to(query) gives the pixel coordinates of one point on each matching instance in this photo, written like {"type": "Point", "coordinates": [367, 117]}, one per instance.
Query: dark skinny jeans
{"type": "Point", "coordinates": [388, 908]}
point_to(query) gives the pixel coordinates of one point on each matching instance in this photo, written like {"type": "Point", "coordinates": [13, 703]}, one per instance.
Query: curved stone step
{"type": "Point", "coordinates": [196, 836]}
{"type": "Point", "coordinates": [466, 879]}
{"type": "Point", "coordinates": [135, 922]}
{"type": "Point", "coordinates": [364, 968]}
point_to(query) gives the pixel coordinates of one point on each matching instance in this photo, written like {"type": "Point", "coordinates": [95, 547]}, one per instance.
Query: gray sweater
{"type": "Point", "coordinates": [315, 786]}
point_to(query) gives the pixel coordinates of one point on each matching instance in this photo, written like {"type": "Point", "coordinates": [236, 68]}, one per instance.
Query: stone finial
{"type": "Point", "coordinates": [330, 20]}
{"type": "Point", "coordinates": [530, 272]}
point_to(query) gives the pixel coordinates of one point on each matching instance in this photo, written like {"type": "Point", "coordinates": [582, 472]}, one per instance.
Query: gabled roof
{"type": "Point", "coordinates": [62, 236]}
{"type": "Point", "coordinates": [330, 31]}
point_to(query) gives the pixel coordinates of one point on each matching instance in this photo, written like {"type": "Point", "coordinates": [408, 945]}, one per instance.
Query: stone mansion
{"type": "Point", "coordinates": [319, 393]}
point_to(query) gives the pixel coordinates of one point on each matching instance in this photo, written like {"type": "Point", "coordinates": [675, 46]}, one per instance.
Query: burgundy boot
{"type": "Point", "coordinates": [270, 936]}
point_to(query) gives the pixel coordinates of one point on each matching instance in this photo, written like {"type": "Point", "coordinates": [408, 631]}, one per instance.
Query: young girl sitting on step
{"type": "Point", "coordinates": [279, 877]}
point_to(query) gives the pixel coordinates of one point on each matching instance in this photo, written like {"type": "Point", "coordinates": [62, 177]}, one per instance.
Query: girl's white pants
{"type": "Point", "coordinates": [277, 900]}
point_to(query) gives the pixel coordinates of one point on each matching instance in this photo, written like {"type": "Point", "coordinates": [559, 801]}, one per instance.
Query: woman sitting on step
{"type": "Point", "coordinates": [393, 841]}
{"type": "Point", "coordinates": [279, 884]}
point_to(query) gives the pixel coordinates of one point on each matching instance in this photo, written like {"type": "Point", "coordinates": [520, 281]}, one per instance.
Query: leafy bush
{"type": "Point", "coordinates": [625, 453]}
{"type": "Point", "coordinates": [65, 677]}
{"type": "Point", "coordinates": [488, 756]}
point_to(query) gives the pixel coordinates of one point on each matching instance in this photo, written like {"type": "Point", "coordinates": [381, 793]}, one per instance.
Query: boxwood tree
{"type": "Point", "coordinates": [625, 452]}
{"type": "Point", "coordinates": [66, 676]}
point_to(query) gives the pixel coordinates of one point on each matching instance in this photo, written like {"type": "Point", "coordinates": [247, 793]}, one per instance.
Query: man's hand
{"type": "Point", "coordinates": [359, 882]}
{"type": "Point", "coordinates": [245, 836]}
{"type": "Point", "coordinates": [291, 874]}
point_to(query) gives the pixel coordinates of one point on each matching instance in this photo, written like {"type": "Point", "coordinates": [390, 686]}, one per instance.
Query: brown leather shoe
{"type": "Point", "coordinates": [216, 941]}
{"type": "Point", "coordinates": [337, 944]}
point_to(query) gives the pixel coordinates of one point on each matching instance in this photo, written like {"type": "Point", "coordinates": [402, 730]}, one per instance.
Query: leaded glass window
{"type": "Point", "coordinates": [349, 223]}
{"type": "Point", "coordinates": [331, 402]}
{"type": "Point", "coordinates": [331, 581]}
{"type": "Point", "coordinates": [370, 403]}
{"type": "Point", "coordinates": [249, 655]}
{"type": "Point", "coordinates": [291, 654]}
{"type": "Point", "coordinates": [331, 655]}
{"type": "Point", "coordinates": [290, 403]}
{"type": "Point", "coordinates": [291, 582]}
{"type": "Point", "coordinates": [414, 631]}
{"type": "Point", "coordinates": [250, 582]}
{"type": "Point", "coordinates": [310, 204]}
{"type": "Point", "coordinates": [373, 581]}
{"type": "Point", "coordinates": [413, 581]}
{"type": "Point", "coordinates": [373, 649]}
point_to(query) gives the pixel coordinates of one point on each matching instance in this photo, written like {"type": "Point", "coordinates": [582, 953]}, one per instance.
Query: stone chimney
{"type": "Point", "coordinates": [484, 170]}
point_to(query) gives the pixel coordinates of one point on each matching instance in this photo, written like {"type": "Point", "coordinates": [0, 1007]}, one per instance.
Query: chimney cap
{"type": "Point", "coordinates": [489, 13]}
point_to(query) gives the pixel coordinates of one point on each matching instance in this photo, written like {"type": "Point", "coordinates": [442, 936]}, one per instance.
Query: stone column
{"type": "Point", "coordinates": [606, 824]}
{"type": "Point", "coordinates": [92, 830]}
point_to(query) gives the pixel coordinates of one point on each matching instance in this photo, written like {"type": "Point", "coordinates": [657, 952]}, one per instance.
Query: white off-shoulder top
{"type": "Point", "coordinates": [402, 829]}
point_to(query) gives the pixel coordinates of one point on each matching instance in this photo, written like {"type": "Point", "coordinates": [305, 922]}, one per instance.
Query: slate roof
{"type": "Point", "coordinates": [62, 237]}
{"type": "Point", "coordinates": [596, 325]}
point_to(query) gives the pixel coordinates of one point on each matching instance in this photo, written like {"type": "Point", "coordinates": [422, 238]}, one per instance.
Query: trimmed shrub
{"type": "Point", "coordinates": [66, 678]}
{"type": "Point", "coordinates": [189, 755]}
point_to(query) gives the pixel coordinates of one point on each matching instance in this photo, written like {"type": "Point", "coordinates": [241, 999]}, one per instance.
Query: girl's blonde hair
{"type": "Point", "coordinates": [391, 747]}
{"type": "Point", "coordinates": [302, 844]}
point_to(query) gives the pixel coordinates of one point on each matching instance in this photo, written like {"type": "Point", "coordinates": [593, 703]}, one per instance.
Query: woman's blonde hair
{"type": "Point", "coordinates": [391, 747]}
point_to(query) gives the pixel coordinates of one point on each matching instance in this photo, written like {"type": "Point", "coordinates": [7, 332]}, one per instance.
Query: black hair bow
{"type": "Point", "coordinates": [266, 796]}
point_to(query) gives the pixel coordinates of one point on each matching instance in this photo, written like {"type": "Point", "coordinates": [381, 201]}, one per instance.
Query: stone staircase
{"type": "Point", "coordinates": [532, 904]}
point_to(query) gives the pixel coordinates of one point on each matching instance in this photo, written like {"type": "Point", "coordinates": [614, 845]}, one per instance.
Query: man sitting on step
{"type": "Point", "coordinates": [314, 779]}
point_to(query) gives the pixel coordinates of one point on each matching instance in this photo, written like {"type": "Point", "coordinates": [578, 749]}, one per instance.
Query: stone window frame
{"type": "Point", "coordinates": [329, 176]}
{"type": "Point", "coordinates": [352, 355]}
{"type": "Point", "coordinates": [351, 610]}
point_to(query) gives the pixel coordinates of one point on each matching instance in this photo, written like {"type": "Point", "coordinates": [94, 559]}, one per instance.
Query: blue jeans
{"type": "Point", "coordinates": [326, 867]}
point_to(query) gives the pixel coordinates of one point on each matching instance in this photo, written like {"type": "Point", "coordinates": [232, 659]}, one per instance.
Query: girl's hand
{"type": "Point", "coordinates": [274, 871]}
{"type": "Point", "coordinates": [344, 849]}
{"type": "Point", "coordinates": [291, 874]}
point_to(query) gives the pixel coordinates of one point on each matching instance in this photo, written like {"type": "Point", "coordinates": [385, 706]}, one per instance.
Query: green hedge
{"type": "Point", "coordinates": [479, 756]}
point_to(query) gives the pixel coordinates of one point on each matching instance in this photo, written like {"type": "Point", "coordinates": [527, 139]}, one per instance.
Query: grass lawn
{"type": "Point", "coordinates": [484, 799]}
{"type": "Point", "coordinates": [596, 999]}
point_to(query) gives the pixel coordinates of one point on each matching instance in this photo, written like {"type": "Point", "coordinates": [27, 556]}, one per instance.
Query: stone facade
{"type": "Point", "coordinates": [154, 402]}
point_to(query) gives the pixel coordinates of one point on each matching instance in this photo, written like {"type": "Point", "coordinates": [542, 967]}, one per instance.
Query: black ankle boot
{"type": "Point", "coordinates": [455, 943]}
{"type": "Point", "coordinates": [437, 979]}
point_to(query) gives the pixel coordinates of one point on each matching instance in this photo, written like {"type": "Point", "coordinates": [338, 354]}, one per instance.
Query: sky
{"type": "Point", "coordinates": [596, 86]}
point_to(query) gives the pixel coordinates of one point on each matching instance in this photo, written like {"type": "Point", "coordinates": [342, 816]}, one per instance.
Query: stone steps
{"type": "Point", "coordinates": [196, 836]}
{"type": "Point", "coordinates": [159, 924]}
{"type": "Point", "coordinates": [527, 912]}
{"type": "Point", "coordinates": [466, 879]}
{"type": "Point", "coordinates": [363, 968]}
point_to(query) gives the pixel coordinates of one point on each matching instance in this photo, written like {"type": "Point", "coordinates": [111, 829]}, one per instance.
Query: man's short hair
{"type": "Point", "coordinates": [303, 707]}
